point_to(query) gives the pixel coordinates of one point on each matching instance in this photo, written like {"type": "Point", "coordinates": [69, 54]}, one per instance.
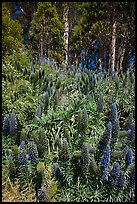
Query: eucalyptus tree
{"type": "Point", "coordinates": [111, 24]}
{"type": "Point", "coordinates": [46, 31]}
{"type": "Point", "coordinates": [11, 34]}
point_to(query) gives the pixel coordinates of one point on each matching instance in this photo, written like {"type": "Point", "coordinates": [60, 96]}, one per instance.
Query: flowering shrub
{"type": "Point", "coordinates": [105, 139]}
{"type": "Point", "coordinates": [113, 113]}
{"type": "Point", "coordinates": [114, 174]}
{"type": "Point", "coordinates": [104, 176]}
{"type": "Point", "coordinates": [42, 143]}
{"type": "Point", "coordinates": [115, 130]}
{"type": "Point", "coordinates": [100, 103]}
{"type": "Point", "coordinates": [132, 177]}
{"type": "Point", "coordinates": [68, 144]}
{"type": "Point", "coordinates": [82, 121]}
{"type": "Point", "coordinates": [85, 157]}
{"type": "Point", "coordinates": [121, 181]}
{"type": "Point", "coordinates": [131, 135]}
{"type": "Point", "coordinates": [128, 158]}
{"type": "Point", "coordinates": [64, 153]}
{"type": "Point", "coordinates": [129, 122]}
{"type": "Point", "coordinates": [105, 159]}
{"type": "Point", "coordinates": [32, 153]}
{"type": "Point", "coordinates": [13, 124]}
{"type": "Point", "coordinates": [6, 124]}
{"type": "Point", "coordinates": [22, 156]}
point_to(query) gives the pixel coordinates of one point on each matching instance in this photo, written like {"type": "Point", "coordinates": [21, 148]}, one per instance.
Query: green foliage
{"type": "Point", "coordinates": [11, 34]}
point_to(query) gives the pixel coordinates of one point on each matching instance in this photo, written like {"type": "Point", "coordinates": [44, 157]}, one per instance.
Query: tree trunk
{"type": "Point", "coordinates": [120, 58]}
{"type": "Point", "coordinates": [66, 32]}
{"type": "Point", "coordinates": [113, 43]}
{"type": "Point", "coordinates": [41, 47]}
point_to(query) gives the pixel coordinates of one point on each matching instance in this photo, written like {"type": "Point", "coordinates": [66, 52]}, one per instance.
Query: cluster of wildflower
{"type": "Point", "coordinates": [113, 113]}
{"type": "Point", "coordinates": [65, 153]}
{"type": "Point", "coordinates": [13, 123]}
{"type": "Point", "coordinates": [120, 154]}
{"type": "Point", "coordinates": [121, 181]}
{"type": "Point", "coordinates": [85, 157]}
{"type": "Point", "coordinates": [114, 174]}
{"type": "Point", "coordinates": [56, 172]}
{"type": "Point", "coordinates": [105, 159]}
{"type": "Point", "coordinates": [128, 158]}
{"type": "Point", "coordinates": [24, 134]}
{"type": "Point", "coordinates": [42, 142]}
{"type": "Point", "coordinates": [132, 177]}
{"type": "Point", "coordinates": [131, 134]}
{"type": "Point", "coordinates": [115, 130]}
{"type": "Point", "coordinates": [100, 103]}
{"type": "Point", "coordinates": [22, 156]}
{"type": "Point", "coordinates": [33, 153]}
{"type": "Point", "coordinates": [104, 175]}
{"type": "Point", "coordinates": [105, 139]}
{"type": "Point", "coordinates": [6, 124]}
{"type": "Point", "coordinates": [129, 122]}
{"type": "Point", "coordinates": [76, 159]}
{"type": "Point", "coordinates": [84, 121]}
{"type": "Point", "coordinates": [93, 168]}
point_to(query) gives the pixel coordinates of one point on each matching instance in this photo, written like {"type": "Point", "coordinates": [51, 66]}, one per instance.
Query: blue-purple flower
{"type": "Point", "coordinates": [105, 159]}
{"type": "Point", "coordinates": [6, 124]}
{"type": "Point", "coordinates": [42, 144]}
{"type": "Point", "coordinates": [128, 158]}
{"type": "Point", "coordinates": [22, 152]}
{"type": "Point", "coordinates": [121, 181]}
{"type": "Point", "coordinates": [114, 174]}
{"type": "Point", "coordinates": [131, 135]}
{"type": "Point", "coordinates": [129, 122]}
{"type": "Point", "coordinates": [104, 175]}
{"type": "Point", "coordinates": [85, 157]}
{"type": "Point", "coordinates": [115, 130]}
{"type": "Point", "coordinates": [33, 153]}
{"type": "Point", "coordinates": [13, 123]}
{"type": "Point", "coordinates": [132, 177]}
{"type": "Point", "coordinates": [105, 139]}
{"type": "Point", "coordinates": [65, 152]}
{"type": "Point", "coordinates": [113, 113]}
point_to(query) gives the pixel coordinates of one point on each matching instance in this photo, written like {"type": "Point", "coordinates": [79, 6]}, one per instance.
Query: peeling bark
{"type": "Point", "coordinates": [66, 32]}
{"type": "Point", "coordinates": [113, 43]}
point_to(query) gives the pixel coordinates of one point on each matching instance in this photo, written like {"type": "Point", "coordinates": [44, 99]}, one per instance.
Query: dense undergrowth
{"type": "Point", "coordinates": [67, 135]}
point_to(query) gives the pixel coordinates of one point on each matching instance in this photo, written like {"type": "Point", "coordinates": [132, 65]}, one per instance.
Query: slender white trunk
{"type": "Point", "coordinates": [66, 32]}
{"type": "Point", "coordinates": [120, 57]}
{"type": "Point", "coordinates": [41, 47]}
{"type": "Point", "coordinates": [113, 43]}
